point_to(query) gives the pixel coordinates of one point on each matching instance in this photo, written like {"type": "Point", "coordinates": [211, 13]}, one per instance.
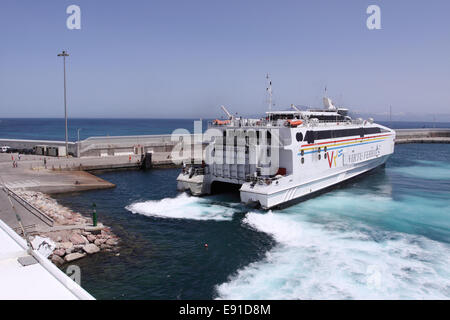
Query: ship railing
{"type": "Point", "coordinates": [281, 123]}
{"type": "Point", "coordinates": [193, 170]}
{"type": "Point", "coordinates": [262, 179]}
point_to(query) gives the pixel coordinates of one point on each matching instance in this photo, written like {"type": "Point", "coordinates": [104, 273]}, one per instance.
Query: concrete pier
{"type": "Point", "coordinates": [422, 136]}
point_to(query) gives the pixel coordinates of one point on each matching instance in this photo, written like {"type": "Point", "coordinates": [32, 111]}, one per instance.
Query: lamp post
{"type": "Point", "coordinates": [64, 54]}
{"type": "Point", "coordinates": [78, 142]}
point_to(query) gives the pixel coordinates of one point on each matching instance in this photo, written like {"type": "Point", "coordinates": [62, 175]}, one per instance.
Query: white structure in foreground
{"type": "Point", "coordinates": [40, 280]}
{"type": "Point", "coordinates": [287, 155]}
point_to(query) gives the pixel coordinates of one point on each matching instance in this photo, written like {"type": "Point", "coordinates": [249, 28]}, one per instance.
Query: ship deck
{"type": "Point", "coordinates": [38, 281]}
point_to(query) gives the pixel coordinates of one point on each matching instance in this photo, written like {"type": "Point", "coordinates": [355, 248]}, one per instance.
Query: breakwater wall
{"type": "Point", "coordinates": [422, 136]}
{"type": "Point", "coordinates": [30, 144]}
{"type": "Point", "coordinates": [111, 145]}
{"type": "Point", "coordinates": [127, 145]}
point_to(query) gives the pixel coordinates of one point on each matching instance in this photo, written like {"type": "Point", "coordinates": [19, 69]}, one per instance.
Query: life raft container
{"type": "Point", "coordinates": [221, 122]}
{"type": "Point", "coordinates": [294, 123]}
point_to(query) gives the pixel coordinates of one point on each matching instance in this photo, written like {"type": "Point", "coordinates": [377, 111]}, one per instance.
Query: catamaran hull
{"type": "Point", "coordinates": [195, 184]}
{"type": "Point", "coordinates": [296, 193]}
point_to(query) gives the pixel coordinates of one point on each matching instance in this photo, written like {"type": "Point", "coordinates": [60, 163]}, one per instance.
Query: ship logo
{"type": "Point", "coordinates": [333, 156]}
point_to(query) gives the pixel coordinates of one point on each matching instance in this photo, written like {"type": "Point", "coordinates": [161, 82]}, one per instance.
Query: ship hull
{"type": "Point", "coordinates": [298, 192]}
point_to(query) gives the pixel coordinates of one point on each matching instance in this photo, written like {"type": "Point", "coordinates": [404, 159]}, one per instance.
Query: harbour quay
{"type": "Point", "coordinates": [422, 136]}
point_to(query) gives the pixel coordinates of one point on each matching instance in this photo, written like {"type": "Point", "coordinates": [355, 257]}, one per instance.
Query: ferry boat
{"type": "Point", "coordinates": [287, 155]}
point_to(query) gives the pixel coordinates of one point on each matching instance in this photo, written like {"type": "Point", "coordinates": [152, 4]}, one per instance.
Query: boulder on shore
{"type": "Point", "coordinates": [66, 245]}
{"type": "Point", "coordinates": [78, 239]}
{"type": "Point", "coordinates": [57, 260]}
{"type": "Point", "coordinates": [111, 242]}
{"type": "Point", "coordinates": [99, 242]}
{"type": "Point", "coordinates": [59, 252]}
{"type": "Point", "coordinates": [74, 256]}
{"type": "Point", "coordinates": [91, 248]}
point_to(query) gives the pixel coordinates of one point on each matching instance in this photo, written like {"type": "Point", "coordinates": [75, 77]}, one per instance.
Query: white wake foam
{"type": "Point", "coordinates": [317, 261]}
{"type": "Point", "coordinates": [183, 207]}
{"type": "Point", "coordinates": [433, 170]}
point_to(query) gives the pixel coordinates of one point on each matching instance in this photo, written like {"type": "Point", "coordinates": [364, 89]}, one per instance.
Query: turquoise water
{"type": "Point", "coordinates": [385, 235]}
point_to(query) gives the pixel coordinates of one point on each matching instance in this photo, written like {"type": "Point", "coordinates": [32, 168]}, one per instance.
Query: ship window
{"type": "Point", "coordinates": [303, 160]}
{"type": "Point", "coordinates": [303, 152]}
{"type": "Point", "coordinates": [347, 133]}
{"type": "Point", "coordinates": [329, 117]}
{"type": "Point", "coordinates": [257, 137]}
{"type": "Point", "coordinates": [372, 130]}
{"type": "Point", "coordinates": [325, 155]}
{"type": "Point", "coordinates": [319, 156]}
{"type": "Point", "coordinates": [319, 150]}
{"type": "Point", "coordinates": [361, 132]}
{"type": "Point", "coordinates": [325, 149]}
{"type": "Point", "coordinates": [327, 134]}
{"type": "Point", "coordinates": [299, 136]}
{"type": "Point", "coordinates": [309, 136]}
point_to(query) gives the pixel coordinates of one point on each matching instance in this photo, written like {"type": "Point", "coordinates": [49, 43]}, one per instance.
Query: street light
{"type": "Point", "coordinates": [64, 54]}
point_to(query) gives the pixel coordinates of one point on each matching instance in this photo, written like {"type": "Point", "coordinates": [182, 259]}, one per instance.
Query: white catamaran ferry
{"type": "Point", "coordinates": [287, 155]}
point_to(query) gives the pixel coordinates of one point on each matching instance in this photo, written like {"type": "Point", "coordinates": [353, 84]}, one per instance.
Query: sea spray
{"type": "Point", "coordinates": [183, 206]}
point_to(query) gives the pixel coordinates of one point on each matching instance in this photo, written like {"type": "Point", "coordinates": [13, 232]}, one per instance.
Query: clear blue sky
{"type": "Point", "coordinates": [186, 58]}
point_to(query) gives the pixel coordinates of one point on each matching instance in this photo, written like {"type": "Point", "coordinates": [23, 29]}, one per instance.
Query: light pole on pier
{"type": "Point", "coordinates": [64, 54]}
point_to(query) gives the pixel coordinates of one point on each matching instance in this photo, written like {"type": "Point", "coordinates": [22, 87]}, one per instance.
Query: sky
{"type": "Point", "coordinates": [183, 59]}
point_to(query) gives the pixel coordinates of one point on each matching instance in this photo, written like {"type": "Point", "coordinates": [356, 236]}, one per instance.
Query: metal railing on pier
{"type": "Point", "coordinates": [33, 210]}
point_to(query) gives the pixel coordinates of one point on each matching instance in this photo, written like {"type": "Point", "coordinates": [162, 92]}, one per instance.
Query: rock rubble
{"type": "Point", "coordinates": [74, 243]}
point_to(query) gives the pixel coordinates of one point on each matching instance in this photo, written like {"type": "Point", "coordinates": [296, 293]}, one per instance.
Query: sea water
{"type": "Point", "coordinates": [54, 129]}
{"type": "Point", "coordinates": [385, 235]}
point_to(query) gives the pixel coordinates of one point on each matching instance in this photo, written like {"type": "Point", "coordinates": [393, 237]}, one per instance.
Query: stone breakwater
{"type": "Point", "coordinates": [73, 234]}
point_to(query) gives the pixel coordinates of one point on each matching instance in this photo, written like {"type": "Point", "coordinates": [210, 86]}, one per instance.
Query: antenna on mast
{"type": "Point", "coordinates": [295, 108]}
{"type": "Point", "coordinates": [229, 115]}
{"type": "Point", "coordinates": [269, 91]}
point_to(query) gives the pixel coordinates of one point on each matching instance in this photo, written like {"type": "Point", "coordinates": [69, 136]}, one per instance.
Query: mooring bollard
{"type": "Point", "coordinates": [94, 215]}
